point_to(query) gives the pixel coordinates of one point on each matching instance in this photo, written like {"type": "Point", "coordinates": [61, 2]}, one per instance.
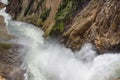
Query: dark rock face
{"type": "Point", "coordinates": [14, 7]}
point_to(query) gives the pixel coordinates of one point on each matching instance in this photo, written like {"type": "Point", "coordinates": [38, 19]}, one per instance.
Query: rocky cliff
{"type": "Point", "coordinates": [98, 23]}
{"type": "Point", "coordinates": [75, 21]}
{"type": "Point", "coordinates": [9, 55]}
{"type": "Point", "coordinates": [52, 15]}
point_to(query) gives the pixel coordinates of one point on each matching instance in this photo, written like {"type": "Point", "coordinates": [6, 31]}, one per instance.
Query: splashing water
{"type": "Point", "coordinates": [6, 16]}
{"type": "Point", "coordinates": [4, 1]}
{"type": "Point", "coordinates": [48, 60]}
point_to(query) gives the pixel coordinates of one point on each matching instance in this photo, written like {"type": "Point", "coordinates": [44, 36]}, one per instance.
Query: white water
{"type": "Point", "coordinates": [6, 16]}
{"type": "Point", "coordinates": [4, 1]}
{"type": "Point", "coordinates": [48, 60]}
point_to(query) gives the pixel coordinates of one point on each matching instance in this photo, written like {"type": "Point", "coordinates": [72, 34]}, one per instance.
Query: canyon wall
{"type": "Point", "coordinates": [75, 21]}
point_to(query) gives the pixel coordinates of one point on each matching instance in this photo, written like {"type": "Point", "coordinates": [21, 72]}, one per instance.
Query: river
{"type": "Point", "coordinates": [50, 60]}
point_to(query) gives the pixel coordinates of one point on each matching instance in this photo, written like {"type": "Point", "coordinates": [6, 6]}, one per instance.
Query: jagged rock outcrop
{"type": "Point", "coordinates": [51, 15]}
{"type": "Point", "coordinates": [97, 23]}
{"type": "Point", "coordinates": [34, 11]}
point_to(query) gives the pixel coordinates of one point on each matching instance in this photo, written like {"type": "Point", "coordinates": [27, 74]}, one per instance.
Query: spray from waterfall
{"type": "Point", "coordinates": [4, 1]}
{"type": "Point", "coordinates": [49, 60]}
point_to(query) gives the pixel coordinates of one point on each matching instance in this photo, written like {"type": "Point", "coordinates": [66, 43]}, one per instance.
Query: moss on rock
{"type": "Point", "coordinates": [5, 46]}
{"type": "Point", "coordinates": [45, 14]}
{"type": "Point", "coordinates": [65, 12]}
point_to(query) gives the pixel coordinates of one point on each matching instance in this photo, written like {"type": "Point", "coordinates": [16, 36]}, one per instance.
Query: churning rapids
{"type": "Point", "coordinates": [49, 60]}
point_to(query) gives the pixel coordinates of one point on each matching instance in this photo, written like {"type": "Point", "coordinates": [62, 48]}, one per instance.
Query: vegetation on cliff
{"type": "Point", "coordinates": [52, 15]}
{"type": "Point", "coordinates": [74, 20]}
{"type": "Point", "coordinates": [65, 13]}
{"type": "Point", "coordinates": [97, 23]}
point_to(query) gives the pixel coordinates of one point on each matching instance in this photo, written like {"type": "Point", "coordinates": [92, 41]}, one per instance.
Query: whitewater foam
{"type": "Point", "coordinates": [46, 60]}
{"type": "Point", "coordinates": [6, 16]}
{"type": "Point", "coordinates": [4, 1]}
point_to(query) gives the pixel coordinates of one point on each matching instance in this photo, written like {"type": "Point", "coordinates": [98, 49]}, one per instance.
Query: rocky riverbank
{"type": "Point", "coordinates": [75, 22]}
{"type": "Point", "coordinates": [9, 55]}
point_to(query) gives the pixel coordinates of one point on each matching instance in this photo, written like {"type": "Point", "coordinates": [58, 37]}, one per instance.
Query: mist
{"type": "Point", "coordinates": [49, 60]}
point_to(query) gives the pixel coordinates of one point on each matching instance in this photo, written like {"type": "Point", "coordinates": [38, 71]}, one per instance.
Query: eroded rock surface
{"type": "Point", "coordinates": [4, 36]}
{"type": "Point", "coordinates": [51, 15]}
{"type": "Point", "coordinates": [10, 61]}
{"type": "Point", "coordinates": [1, 5]}
{"type": "Point", "coordinates": [97, 23]}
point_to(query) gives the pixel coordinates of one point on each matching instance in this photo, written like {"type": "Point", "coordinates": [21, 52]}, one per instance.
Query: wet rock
{"type": "Point", "coordinates": [4, 36]}
{"type": "Point", "coordinates": [17, 74]}
{"type": "Point", "coordinates": [10, 60]}
{"type": "Point", "coordinates": [1, 5]}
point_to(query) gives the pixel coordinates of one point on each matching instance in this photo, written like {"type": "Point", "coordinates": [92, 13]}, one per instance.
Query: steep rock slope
{"type": "Point", "coordinates": [52, 15]}
{"type": "Point", "coordinates": [97, 23]}
{"type": "Point", "coordinates": [9, 55]}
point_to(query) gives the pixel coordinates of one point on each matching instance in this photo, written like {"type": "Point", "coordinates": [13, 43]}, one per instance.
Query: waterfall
{"type": "Point", "coordinates": [49, 60]}
{"type": "Point", "coordinates": [4, 1]}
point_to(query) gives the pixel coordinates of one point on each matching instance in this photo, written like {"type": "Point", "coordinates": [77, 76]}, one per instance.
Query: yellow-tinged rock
{"type": "Point", "coordinates": [1, 78]}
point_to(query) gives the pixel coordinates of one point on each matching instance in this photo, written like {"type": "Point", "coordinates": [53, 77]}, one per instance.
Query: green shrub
{"type": "Point", "coordinates": [45, 14]}
{"type": "Point", "coordinates": [57, 29]}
